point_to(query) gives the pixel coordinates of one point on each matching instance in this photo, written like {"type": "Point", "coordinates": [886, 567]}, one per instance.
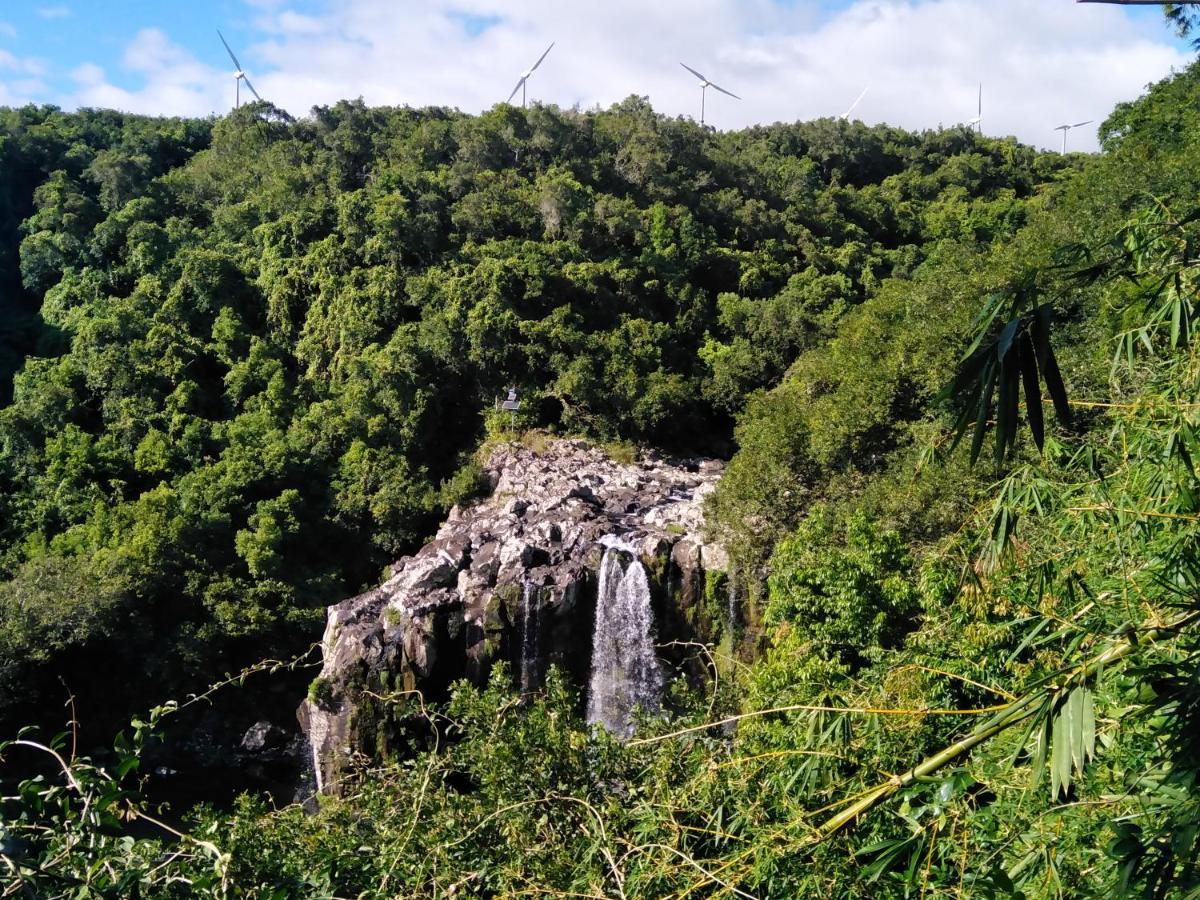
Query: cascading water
{"type": "Point", "coordinates": [731, 605]}
{"type": "Point", "coordinates": [529, 614]}
{"type": "Point", "coordinates": [626, 673]}
{"type": "Point", "coordinates": [308, 781]}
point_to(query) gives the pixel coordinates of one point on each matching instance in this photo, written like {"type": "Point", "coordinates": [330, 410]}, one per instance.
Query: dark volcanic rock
{"type": "Point", "coordinates": [263, 737]}
{"type": "Point", "coordinates": [458, 605]}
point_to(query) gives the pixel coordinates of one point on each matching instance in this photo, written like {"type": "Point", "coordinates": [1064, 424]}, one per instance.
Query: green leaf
{"type": "Point", "coordinates": [1075, 703]}
{"type": "Point", "coordinates": [981, 412]}
{"type": "Point", "coordinates": [1060, 753]}
{"type": "Point", "coordinates": [1005, 341]}
{"type": "Point", "coordinates": [1041, 745]}
{"type": "Point", "coordinates": [968, 372]}
{"type": "Point", "coordinates": [1089, 725]}
{"type": "Point", "coordinates": [1033, 394]}
{"type": "Point", "coordinates": [1178, 327]}
{"type": "Point", "coordinates": [1049, 365]}
{"type": "Point", "coordinates": [1008, 404]}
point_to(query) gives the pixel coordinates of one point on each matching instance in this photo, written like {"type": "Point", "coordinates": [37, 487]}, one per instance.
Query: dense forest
{"type": "Point", "coordinates": [268, 347]}
{"type": "Point", "coordinates": [246, 363]}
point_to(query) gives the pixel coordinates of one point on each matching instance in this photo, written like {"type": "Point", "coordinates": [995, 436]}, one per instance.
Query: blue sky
{"type": "Point", "coordinates": [66, 34]}
{"type": "Point", "coordinates": [1039, 60]}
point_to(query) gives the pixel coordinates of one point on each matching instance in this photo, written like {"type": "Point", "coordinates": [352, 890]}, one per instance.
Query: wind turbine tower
{"type": "Point", "coordinates": [525, 77]}
{"type": "Point", "coordinates": [705, 84]}
{"type": "Point", "coordinates": [238, 76]}
{"type": "Point", "coordinates": [978, 120]}
{"type": "Point", "coordinates": [1065, 128]}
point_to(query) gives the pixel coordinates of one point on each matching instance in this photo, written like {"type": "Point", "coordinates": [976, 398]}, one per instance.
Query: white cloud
{"type": "Point", "coordinates": [22, 91]}
{"type": "Point", "coordinates": [21, 80]}
{"type": "Point", "coordinates": [20, 77]}
{"type": "Point", "coordinates": [295, 23]}
{"type": "Point", "coordinates": [1041, 62]}
{"type": "Point", "coordinates": [53, 12]}
{"type": "Point", "coordinates": [7, 30]}
{"type": "Point", "coordinates": [173, 81]}
{"type": "Point", "coordinates": [10, 62]}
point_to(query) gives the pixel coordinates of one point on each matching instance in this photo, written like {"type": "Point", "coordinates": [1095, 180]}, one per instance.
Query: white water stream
{"type": "Point", "coordinates": [626, 674]}
{"type": "Point", "coordinates": [529, 638]}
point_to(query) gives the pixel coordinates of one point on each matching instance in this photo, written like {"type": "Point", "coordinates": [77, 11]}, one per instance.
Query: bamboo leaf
{"type": "Point", "coordinates": [968, 372]}
{"type": "Point", "coordinates": [1040, 332]}
{"type": "Point", "coordinates": [1075, 703]}
{"type": "Point", "coordinates": [1041, 746]}
{"type": "Point", "coordinates": [1177, 312]}
{"type": "Point", "coordinates": [1033, 393]}
{"type": "Point", "coordinates": [983, 322]}
{"type": "Point", "coordinates": [1089, 725]}
{"type": "Point", "coordinates": [1005, 341]}
{"type": "Point", "coordinates": [1144, 336]}
{"type": "Point", "coordinates": [1058, 392]}
{"type": "Point", "coordinates": [1048, 365]}
{"type": "Point", "coordinates": [1060, 753]}
{"type": "Point", "coordinates": [967, 416]}
{"type": "Point", "coordinates": [1005, 409]}
{"type": "Point", "coordinates": [1034, 632]}
{"type": "Point", "coordinates": [981, 412]}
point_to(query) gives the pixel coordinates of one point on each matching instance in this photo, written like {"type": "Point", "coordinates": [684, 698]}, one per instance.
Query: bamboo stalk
{"type": "Point", "coordinates": [1016, 712]}
{"type": "Point", "coordinates": [801, 707]}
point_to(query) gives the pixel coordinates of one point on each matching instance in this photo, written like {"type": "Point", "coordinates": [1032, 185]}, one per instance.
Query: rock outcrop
{"type": "Point", "coordinates": [513, 577]}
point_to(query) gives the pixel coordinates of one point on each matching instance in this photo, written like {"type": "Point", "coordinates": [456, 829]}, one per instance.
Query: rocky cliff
{"type": "Point", "coordinates": [516, 576]}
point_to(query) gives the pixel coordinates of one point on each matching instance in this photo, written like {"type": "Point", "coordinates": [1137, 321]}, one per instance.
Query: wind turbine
{"type": "Point", "coordinates": [705, 84]}
{"type": "Point", "coordinates": [845, 117]}
{"type": "Point", "coordinates": [239, 76]}
{"type": "Point", "coordinates": [525, 77]}
{"type": "Point", "coordinates": [1065, 128]}
{"type": "Point", "coordinates": [978, 120]}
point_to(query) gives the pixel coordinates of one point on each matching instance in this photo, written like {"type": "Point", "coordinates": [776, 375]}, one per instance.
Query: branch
{"type": "Point", "coordinates": [1014, 713]}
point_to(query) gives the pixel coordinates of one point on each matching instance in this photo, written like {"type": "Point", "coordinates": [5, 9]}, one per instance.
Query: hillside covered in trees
{"type": "Point", "coordinates": [246, 363]}
{"type": "Point", "coordinates": [269, 347]}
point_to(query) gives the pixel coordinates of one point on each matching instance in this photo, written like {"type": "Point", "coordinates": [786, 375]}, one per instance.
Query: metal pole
{"type": "Point", "coordinates": [522, 93]}
{"type": "Point", "coordinates": [1064, 149]}
{"type": "Point", "coordinates": [703, 92]}
{"type": "Point", "coordinates": [237, 92]}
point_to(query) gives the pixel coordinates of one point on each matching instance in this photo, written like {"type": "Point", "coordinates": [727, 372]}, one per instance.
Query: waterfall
{"type": "Point", "coordinates": [731, 605]}
{"type": "Point", "coordinates": [625, 670]}
{"type": "Point", "coordinates": [529, 638]}
{"type": "Point", "coordinates": [308, 779]}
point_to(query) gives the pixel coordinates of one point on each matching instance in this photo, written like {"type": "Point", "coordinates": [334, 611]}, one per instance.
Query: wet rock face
{"type": "Point", "coordinates": [511, 577]}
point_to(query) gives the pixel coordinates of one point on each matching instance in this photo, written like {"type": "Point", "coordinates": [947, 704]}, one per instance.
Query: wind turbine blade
{"type": "Point", "coordinates": [1077, 124]}
{"type": "Point", "coordinates": [854, 105]}
{"type": "Point", "coordinates": [229, 51]}
{"type": "Point", "coordinates": [723, 91]}
{"type": "Point", "coordinates": [514, 91]}
{"type": "Point", "coordinates": [252, 90]}
{"type": "Point", "coordinates": [543, 56]}
{"type": "Point", "coordinates": [694, 72]}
